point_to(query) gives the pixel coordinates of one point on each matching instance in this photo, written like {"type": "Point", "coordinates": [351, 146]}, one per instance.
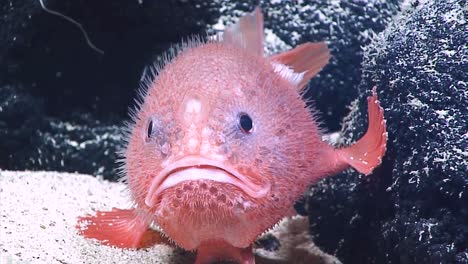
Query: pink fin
{"type": "Point", "coordinates": [210, 252]}
{"type": "Point", "coordinates": [367, 152]}
{"type": "Point", "coordinates": [247, 33]}
{"type": "Point", "coordinates": [306, 59]}
{"type": "Point", "coordinates": [119, 228]}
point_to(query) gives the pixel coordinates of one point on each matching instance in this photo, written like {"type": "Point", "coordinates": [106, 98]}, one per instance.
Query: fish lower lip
{"type": "Point", "coordinates": [197, 173]}
{"type": "Point", "coordinates": [195, 168]}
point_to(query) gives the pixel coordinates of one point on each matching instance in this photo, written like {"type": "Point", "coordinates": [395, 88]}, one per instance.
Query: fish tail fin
{"type": "Point", "coordinates": [366, 154]}
{"type": "Point", "coordinates": [119, 228]}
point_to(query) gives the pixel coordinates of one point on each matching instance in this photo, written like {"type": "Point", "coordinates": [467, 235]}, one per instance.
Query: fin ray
{"type": "Point", "coordinates": [119, 228]}
{"type": "Point", "coordinates": [367, 152]}
{"type": "Point", "coordinates": [308, 58]}
{"type": "Point", "coordinates": [247, 33]}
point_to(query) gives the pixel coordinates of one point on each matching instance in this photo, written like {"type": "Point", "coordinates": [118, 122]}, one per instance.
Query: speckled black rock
{"type": "Point", "coordinates": [33, 140]}
{"type": "Point", "coordinates": [68, 114]}
{"type": "Point", "coordinates": [67, 83]}
{"type": "Point", "coordinates": [413, 209]}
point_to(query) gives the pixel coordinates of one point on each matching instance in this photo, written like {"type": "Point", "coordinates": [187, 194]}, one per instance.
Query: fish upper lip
{"type": "Point", "coordinates": [236, 178]}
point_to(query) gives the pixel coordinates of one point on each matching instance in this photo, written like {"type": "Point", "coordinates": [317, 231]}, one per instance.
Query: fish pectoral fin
{"type": "Point", "coordinates": [303, 62]}
{"type": "Point", "coordinates": [247, 33]}
{"type": "Point", "coordinates": [367, 152]}
{"type": "Point", "coordinates": [127, 228]}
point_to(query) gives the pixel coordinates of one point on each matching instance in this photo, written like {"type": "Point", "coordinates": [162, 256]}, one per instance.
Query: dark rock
{"type": "Point", "coordinates": [20, 116]}
{"type": "Point", "coordinates": [37, 141]}
{"type": "Point", "coordinates": [414, 208]}
{"type": "Point", "coordinates": [268, 242]}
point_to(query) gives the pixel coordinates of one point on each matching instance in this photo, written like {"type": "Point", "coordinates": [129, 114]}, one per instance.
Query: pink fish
{"type": "Point", "coordinates": [223, 144]}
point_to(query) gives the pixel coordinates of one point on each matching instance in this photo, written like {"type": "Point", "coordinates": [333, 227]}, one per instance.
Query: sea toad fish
{"type": "Point", "coordinates": [222, 145]}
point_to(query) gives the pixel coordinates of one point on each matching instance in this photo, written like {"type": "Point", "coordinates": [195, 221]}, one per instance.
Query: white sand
{"type": "Point", "coordinates": [39, 211]}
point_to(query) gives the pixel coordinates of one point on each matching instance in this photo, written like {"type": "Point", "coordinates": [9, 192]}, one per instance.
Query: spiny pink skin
{"type": "Point", "coordinates": [194, 105]}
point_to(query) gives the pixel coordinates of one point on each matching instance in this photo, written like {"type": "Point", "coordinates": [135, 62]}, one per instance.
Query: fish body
{"type": "Point", "coordinates": [222, 145]}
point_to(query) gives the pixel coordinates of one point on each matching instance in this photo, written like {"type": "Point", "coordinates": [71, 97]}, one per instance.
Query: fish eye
{"type": "Point", "coordinates": [245, 123]}
{"type": "Point", "coordinates": [149, 131]}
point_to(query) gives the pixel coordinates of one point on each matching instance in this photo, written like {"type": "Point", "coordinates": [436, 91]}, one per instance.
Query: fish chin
{"type": "Point", "coordinates": [207, 210]}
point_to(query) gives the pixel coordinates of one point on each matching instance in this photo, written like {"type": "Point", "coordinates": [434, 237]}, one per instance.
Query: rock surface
{"type": "Point", "coordinates": [414, 208]}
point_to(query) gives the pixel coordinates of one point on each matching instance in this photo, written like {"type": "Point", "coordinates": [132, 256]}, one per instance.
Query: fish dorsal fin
{"type": "Point", "coordinates": [302, 63]}
{"type": "Point", "coordinates": [247, 33]}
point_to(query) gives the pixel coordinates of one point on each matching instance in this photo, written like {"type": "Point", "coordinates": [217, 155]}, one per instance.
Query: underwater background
{"type": "Point", "coordinates": [65, 91]}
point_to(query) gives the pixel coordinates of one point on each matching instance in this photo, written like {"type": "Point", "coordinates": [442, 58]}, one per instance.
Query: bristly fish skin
{"type": "Point", "coordinates": [222, 145]}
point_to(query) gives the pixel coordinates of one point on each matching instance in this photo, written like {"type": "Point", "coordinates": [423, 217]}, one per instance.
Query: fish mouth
{"type": "Point", "coordinates": [197, 168]}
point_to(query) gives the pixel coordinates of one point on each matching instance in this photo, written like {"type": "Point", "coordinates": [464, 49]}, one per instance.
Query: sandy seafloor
{"type": "Point", "coordinates": [39, 211]}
